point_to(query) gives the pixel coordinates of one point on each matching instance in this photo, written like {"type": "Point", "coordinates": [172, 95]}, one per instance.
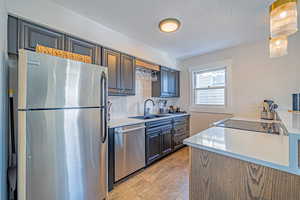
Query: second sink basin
{"type": "Point", "coordinates": [150, 116]}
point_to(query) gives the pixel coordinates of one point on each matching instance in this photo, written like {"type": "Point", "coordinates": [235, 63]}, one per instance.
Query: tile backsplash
{"type": "Point", "coordinates": [124, 106]}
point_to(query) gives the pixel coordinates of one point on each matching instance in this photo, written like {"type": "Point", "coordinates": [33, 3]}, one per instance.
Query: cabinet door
{"type": "Point", "coordinates": [153, 147]}
{"type": "Point", "coordinates": [177, 84]}
{"type": "Point", "coordinates": [164, 82]}
{"type": "Point", "coordinates": [171, 83]}
{"type": "Point", "coordinates": [12, 36]}
{"type": "Point", "coordinates": [30, 35]}
{"type": "Point", "coordinates": [82, 47]}
{"type": "Point", "coordinates": [127, 74]}
{"type": "Point", "coordinates": [178, 140]}
{"type": "Point", "coordinates": [111, 59]}
{"type": "Point", "coordinates": [166, 141]}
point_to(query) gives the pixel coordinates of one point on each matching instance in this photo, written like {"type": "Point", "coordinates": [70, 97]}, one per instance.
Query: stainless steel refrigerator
{"type": "Point", "coordinates": [62, 130]}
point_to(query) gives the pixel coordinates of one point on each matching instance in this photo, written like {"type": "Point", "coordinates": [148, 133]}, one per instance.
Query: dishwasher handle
{"type": "Point", "coordinates": [130, 130]}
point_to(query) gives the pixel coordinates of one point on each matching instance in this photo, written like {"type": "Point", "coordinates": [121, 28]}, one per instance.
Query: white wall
{"type": "Point", "coordinates": [3, 98]}
{"type": "Point", "coordinates": [57, 17]}
{"type": "Point", "coordinates": [201, 121]}
{"type": "Point", "coordinates": [255, 76]}
{"type": "Point", "coordinates": [124, 106]}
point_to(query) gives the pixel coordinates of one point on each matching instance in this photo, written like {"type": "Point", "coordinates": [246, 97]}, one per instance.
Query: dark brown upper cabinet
{"type": "Point", "coordinates": [127, 74]}
{"type": "Point", "coordinates": [121, 72]}
{"type": "Point", "coordinates": [31, 35]}
{"type": "Point", "coordinates": [82, 47]}
{"type": "Point", "coordinates": [167, 84]}
{"type": "Point", "coordinates": [121, 67]}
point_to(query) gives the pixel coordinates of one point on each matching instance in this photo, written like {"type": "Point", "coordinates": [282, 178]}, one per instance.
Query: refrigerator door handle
{"type": "Point", "coordinates": [103, 107]}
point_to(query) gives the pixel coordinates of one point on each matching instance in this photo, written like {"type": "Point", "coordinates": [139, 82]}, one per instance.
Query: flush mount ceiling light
{"type": "Point", "coordinates": [283, 18]}
{"type": "Point", "coordinates": [278, 46]}
{"type": "Point", "coordinates": [169, 25]}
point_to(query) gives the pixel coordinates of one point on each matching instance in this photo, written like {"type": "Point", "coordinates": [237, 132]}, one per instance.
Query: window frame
{"type": "Point", "coordinates": [227, 107]}
{"type": "Point", "coordinates": [210, 87]}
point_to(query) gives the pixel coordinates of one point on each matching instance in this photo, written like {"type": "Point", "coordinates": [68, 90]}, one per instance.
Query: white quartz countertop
{"type": "Point", "coordinates": [291, 121]}
{"type": "Point", "coordinates": [131, 121]}
{"type": "Point", "coordinates": [247, 144]}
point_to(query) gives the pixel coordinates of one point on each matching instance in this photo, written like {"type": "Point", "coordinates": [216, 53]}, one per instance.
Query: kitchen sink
{"type": "Point", "coordinates": [150, 116]}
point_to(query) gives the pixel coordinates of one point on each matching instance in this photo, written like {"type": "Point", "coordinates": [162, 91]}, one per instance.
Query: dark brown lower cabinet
{"type": "Point", "coordinates": [165, 136]}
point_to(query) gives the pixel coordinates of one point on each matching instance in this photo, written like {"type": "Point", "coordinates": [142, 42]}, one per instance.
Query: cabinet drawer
{"type": "Point", "coordinates": [159, 128]}
{"type": "Point", "coordinates": [183, 119]}
{"type": "Point", "coordinates": [180, 128]}
{"type": "Point", "coordinates": [180, 133]}
{"type": "Point", "coordinates": [180, 137]}
{"type": "Point", "coordinates": [180, 123]}
{"type": "Point", "coordinates": [158, 123]}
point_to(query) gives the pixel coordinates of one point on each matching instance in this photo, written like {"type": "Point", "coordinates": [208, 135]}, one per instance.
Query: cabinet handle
{"type": "Point", "coordinates": [129, 130]}
{"type": "Point", "coordinates": [104, 107]}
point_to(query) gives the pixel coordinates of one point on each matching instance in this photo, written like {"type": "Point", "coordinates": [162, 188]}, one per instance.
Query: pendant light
{"type": "Point", "coordinates": [283, 18]}
{"type": "Point", "coordinates": [278, 46]}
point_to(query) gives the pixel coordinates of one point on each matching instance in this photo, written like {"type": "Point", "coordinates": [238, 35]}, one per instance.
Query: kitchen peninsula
{"type": "Point", "coordinates": [228, 163]}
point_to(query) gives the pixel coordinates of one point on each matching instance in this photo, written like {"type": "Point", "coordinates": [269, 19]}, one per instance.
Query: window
{"type": "Point", "coordinates": [210, 88]}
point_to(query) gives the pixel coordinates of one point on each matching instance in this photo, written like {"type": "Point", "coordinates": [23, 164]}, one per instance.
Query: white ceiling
{"type": "Point", "coordinates": [206, 25]}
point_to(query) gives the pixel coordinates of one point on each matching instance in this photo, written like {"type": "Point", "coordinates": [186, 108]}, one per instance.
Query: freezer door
{"type": "Point", "coordinates": [51, 82]}
{"type": "Point", "coordinates": [64, 157]}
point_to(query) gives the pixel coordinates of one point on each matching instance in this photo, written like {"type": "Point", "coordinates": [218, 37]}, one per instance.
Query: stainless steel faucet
{"type": "Point", "coordinates": [146, 111]}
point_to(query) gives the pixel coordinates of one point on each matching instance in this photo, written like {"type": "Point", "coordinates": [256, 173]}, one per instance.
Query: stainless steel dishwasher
{"type": "Point", "coordinates": [129, 150]}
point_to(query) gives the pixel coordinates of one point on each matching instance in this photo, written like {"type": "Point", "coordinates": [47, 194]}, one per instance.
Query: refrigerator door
{"type": "Point", "coordinates": [62, 155]}
{"type": "Point", "coordinates": [52, 82]}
